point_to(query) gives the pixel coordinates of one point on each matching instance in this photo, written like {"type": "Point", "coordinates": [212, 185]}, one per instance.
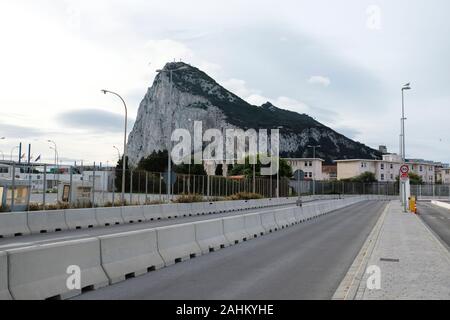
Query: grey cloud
{"type": "Point", "coordinates": [94, 120]}
{"type": "Point", "coordinates": [13, 131]}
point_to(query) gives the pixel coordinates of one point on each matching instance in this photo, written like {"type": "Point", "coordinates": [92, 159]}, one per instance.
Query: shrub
{"type": "Point", "coordinates": [189, 198]}
{"type": "Point", "coordinates": [245, 196]}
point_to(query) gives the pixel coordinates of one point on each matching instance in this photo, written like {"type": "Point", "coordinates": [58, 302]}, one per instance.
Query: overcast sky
{"type": "Point", "coordinates": [342, 62]}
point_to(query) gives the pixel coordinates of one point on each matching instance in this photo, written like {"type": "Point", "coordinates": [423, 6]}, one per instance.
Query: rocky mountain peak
{"type": "Point", "coordinates": [198, 97]}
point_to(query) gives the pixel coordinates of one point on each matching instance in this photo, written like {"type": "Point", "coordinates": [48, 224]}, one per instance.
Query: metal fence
{"type": "Point", "coordinates": [96, 186]}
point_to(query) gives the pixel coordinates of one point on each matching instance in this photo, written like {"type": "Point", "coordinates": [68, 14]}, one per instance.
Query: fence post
{"type": "Point", "coordinates": [146, 186]}
{"type": "Point", "coordinates": [131, 187]}
{"type": "Point", "coordinates": [13, 186]}
{"type": "Point", "coordinates": [70, 185]}
{"type": "Point", "coordinates": [93, 187]}
{"type": "Point", "coordinates": [44, 186]}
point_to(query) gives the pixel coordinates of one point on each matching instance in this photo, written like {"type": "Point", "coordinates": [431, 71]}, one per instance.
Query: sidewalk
{"type": "Point", "coordinates": [417, 266]}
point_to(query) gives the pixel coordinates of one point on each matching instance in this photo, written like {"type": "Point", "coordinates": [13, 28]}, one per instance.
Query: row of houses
{"type": "Point", "coordinates": [385, 170]}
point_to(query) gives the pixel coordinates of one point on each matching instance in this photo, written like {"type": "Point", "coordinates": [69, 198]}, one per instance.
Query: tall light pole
{"type": "Point", "coordinates": [12, 150]}
{"type": "Point", "coordinates": [169, 146]}
{"type": "Point", "coordinates": [56, 152]}
{"type": "Point", "coordinates": [118, 152]}
{"type": "Point", "coordinates": [314, 171]}
{"type": "Point", "coordinates": [403, 145]}
{"type": "Point", "coordinates": [124, 160]}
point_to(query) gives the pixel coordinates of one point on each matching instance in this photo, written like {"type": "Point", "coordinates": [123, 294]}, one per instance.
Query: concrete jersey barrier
{"type": "Point", "coordinates": [177, 243]}
{"type": "Point", "coordinates": [47, 221]}
{"type": "Point", "coordinates": [152, 212]}
{"type": "Point", "coordinates": [41, 272]}
{"type": "Point", "coordinates": [109, 216]}
{"type": "Point", "coordinates": [253, 225]}
{"type": "Point", "coordinates": [80, 218]}
{"type": "Point", "coordinates": [13, 224]}
{"type": "Point", "coordinates": [268, 222]}
{"type": "Point", "coordinates": [4, 292]}
{"type": "Point", "coordinates": [210, 236]}
{"type": "Point", "coordinates": [130, 253]}
{"type": "Point", "coordinates": [133, 214]}
{"type": "Point", "coordinates": [234, 229]}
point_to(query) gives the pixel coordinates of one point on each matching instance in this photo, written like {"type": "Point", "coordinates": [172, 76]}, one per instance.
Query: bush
{"type": "Point", "coordinates": [245, 196]}
{"type": "Point", "coordinates": [189, 198]}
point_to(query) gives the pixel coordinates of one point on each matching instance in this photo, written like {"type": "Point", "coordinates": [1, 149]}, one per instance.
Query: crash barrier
{"type": "Point", "coordinates": [177, 243]}
{"type": "Point", "coordinates": [210, 235]}
{"type": "Point", "coordinates": [133, 214]}
{"type": "Point", "coordinates": [81, 218]}
{"type": "Point", "coordinates": [109, 216]}
{"type": "Point", "coordinates": [23, 223]}
{"type": "Point", "coordinates": [4, 292]}
{"type": "Point", "coordinates": [130, 254]}
{"type": "Point", "coordinates": [13, 224]}
{"type": "Point", "coordinates": [43, 271]}
{"type": "Point", "coordinates": [47, 221]}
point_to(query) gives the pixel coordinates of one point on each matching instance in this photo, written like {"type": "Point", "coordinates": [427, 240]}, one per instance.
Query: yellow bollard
{"type": "Point", "coordinates": [412, 204]}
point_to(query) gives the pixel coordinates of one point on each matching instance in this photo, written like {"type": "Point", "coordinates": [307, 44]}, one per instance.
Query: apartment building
{"type": "Point", "coordinates": [385, 170]}
{"type": "Point", "coordinates": [310, 166]}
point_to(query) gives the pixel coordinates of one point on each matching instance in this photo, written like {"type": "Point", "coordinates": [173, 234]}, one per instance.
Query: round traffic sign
{"type": "Point", "coordinates": [404, 169]}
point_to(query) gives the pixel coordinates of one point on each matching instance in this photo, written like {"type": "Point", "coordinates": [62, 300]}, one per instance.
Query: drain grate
{"type": "Point", "coordinates": [389, 260]}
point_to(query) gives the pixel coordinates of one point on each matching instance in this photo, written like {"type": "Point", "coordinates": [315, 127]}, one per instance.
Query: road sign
{"type": "Point", "coordinates": [173, 177]}
{"type": "Point", "coordinates": [404, 169]}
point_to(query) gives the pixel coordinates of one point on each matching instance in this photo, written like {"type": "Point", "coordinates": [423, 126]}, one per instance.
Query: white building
{"type": "Point", "coordinates": [310, 166]}
{"type": "Point", "coordinates": [387, 169]}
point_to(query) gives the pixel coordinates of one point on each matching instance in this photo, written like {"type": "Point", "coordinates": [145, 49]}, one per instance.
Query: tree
{"type": "Point", "coordinates": [365, 177]}
{"type": "Point", "coordinates": [414, 179]}
{"type": "Point", "coordinates": [155, 162]}
{"type": "Point", "coordinates": [247, 168]}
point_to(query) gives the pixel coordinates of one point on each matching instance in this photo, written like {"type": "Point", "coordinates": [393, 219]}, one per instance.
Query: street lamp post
{"type": "Point", "coordinates": [118, 152]}
{"type": "Point", "coordinates": [314, 171]}
{"type": "Point", "coordinates": [403, 144]}
{"type": "Point", "coordinates": [169, 146]}
{"type": "Point", "coordinates": [12, 150]}
{"type": "Point", "coordinates": [124, 160]}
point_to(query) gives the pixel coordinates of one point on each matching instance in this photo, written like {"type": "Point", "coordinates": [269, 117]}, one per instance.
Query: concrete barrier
{"type": "Point", "coordinates": [299, 216]}
{"type": "Point", "coordinates": [184, 209]}
{"type": "Point", "coordinates": [80, 218]}
{"type": "Point", "coordinates": [152, 212]}
{"type": "Point", "coordinates": [234, 229]}
{"type": "Point", "coordinates": [130, 254]}
{"type": "Point", "coordinates": [209, 235]}
{"type": "Point", "coordinates": [210, 207]}
{"type": "Point", "coordinates": [13, 224]}
{"type": "Point", "coordinates": [109, 216]}
{"type": "Point", "coordinates": [253, 225]}
{"type": "Point", "coordinates": [4, 292]}
{"type": "Point", "coordinates": [47, 221]}
{"type": "Point", "coordinates": [177, 243]}
{"type": "Point", "coordinates": [309, 211]}
{"type": "Point", "coordinates": [169, 211]}
{"type": "Point", "coordinates": [133, 214]}
{"type": "Point", "coordinates": [281, 217]}
{"type": "Point", "coordinates": [41, 272]}
{"type": "Point", "coordinates": [198, 208]}
{"type": "Point", "coordinates": [268, 222]}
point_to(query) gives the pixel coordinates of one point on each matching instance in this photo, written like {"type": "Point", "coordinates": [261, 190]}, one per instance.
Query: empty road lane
{"type": "Point", "coordinates": [437, 218]}
{"type": "Point", "coordinates": [307, 261]}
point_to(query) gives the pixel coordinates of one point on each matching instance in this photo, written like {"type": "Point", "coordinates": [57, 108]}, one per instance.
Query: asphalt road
{"type": "Point", "coordinates": [307, 261]}
{"type": "Point", "coordinates": [437, 218]}
{"type": "Point", "coordinates": [27, 240]}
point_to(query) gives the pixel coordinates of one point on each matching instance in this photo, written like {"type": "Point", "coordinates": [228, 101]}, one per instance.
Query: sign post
{"type": "Point", "coordinates": [404, 180]}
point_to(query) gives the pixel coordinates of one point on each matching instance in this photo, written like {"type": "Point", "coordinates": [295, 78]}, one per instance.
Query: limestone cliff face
{"type": "Point", "coordinates": [197, 97]}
